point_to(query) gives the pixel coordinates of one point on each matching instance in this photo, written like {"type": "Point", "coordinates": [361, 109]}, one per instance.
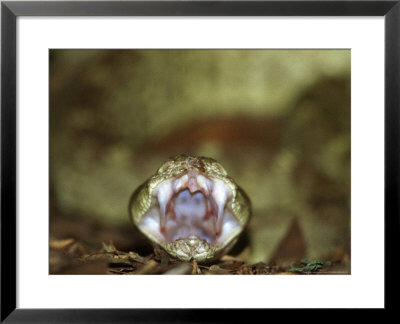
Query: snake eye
{"type": "Point", "coordinates": [213, 166]}
{"type": "Point", "coordinates": [220, 168]}
{"type": "Point", "coordinates": [167, 165]}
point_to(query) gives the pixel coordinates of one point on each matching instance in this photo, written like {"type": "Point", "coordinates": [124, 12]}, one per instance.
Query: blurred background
{"type": "Point", "coordinates": [277, 120]}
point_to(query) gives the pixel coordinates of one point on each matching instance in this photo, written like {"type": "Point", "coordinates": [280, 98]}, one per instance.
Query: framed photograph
{"type": "Point", "coordinates": [185, 155]}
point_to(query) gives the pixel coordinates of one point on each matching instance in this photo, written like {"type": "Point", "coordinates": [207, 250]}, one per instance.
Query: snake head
{"type": "Point", "coordinates": [191, 208]}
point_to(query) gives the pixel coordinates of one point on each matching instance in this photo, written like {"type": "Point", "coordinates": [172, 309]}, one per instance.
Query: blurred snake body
{"type": "Point", "coordinates": [191, 209]}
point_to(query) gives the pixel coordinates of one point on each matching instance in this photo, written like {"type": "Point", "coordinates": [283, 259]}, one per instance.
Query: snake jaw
{"type": "Point", "coordinates": [164, 194]}
{"type": "Point", "coordinates": [192, 213]}
{"type": "Point", "coordinates": [220, 196]}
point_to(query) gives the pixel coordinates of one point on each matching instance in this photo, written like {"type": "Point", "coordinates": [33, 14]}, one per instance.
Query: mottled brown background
{"type": "Point", "coordinates": [278, 120]}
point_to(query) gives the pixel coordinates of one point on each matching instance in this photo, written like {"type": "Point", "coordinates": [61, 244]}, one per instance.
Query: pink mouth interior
{"type": "Point", "coordinates": [190, 215]}
{"type": "Point", "coordinates": [191, 206]}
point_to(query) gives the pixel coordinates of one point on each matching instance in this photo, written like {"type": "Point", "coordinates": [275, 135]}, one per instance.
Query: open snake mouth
{"type": "Point", "coordinates": [191, 206]}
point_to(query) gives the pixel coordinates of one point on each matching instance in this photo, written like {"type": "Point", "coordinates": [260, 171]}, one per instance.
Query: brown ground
{"type": "Point", "coordinates": [86, 253]}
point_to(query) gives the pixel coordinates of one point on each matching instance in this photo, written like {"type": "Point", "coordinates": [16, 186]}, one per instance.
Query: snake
{"type": "Point", "coordinates": [190, 208]}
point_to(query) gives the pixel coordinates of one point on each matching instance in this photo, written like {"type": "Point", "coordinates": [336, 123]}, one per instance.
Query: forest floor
{"type": "Point", "coordinates": [89, 252]}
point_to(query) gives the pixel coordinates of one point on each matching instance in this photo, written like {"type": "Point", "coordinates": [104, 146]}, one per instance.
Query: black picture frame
{"type": "Point", "coordinates": [10, 10]}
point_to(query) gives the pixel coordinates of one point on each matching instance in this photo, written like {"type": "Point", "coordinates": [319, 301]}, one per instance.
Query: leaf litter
{"type": "Point", "coordinates": [68, 256]}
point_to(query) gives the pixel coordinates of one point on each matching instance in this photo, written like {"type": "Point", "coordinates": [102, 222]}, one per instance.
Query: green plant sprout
{"type": "Point", "coordinates": [310, 266]}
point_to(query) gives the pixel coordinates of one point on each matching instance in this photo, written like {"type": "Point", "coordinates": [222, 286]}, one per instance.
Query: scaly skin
{"type": "Point", "coordinates": [190, 249]}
